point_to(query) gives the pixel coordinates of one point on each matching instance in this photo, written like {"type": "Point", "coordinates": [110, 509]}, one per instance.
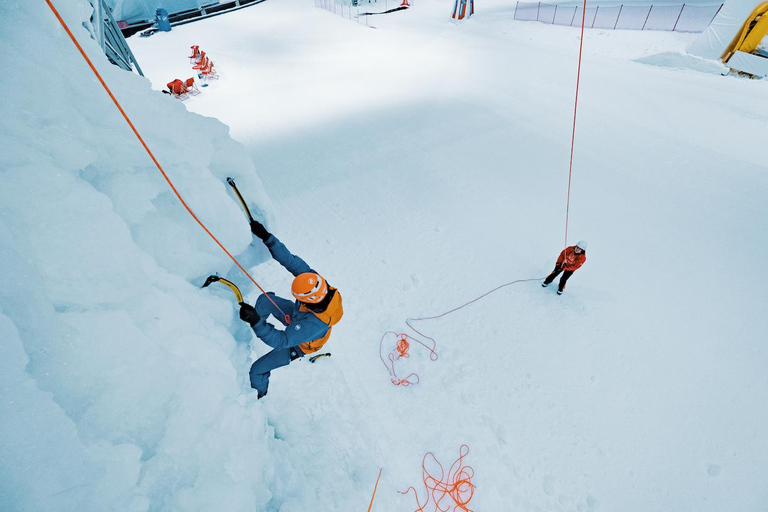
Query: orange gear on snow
{"type": "Point", "coordinates": [570, 260]}
{"type": "Point", "coordinates": [309, 287]}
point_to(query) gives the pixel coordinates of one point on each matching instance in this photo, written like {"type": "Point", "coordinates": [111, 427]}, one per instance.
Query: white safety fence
{"type": "Point", "coordinates": [679, 18]}
{"type": "Point", "coordinates": [350, 9]}
{"type": "Point", "coordinates": [345, 11]}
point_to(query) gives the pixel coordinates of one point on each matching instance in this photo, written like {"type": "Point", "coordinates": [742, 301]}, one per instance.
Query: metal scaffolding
{"type": "Point", "coordinates": [110, 38]}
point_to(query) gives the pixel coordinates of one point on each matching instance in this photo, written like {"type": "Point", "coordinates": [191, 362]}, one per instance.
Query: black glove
{"type": "Point", "coordinates": [248, 314]}
{"type": "Point", "coordinates": [258, 229]}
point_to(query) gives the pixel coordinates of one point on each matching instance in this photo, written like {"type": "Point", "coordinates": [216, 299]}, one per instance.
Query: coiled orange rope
{"type": "Point", "coordinates": [152, 156]}
{"type": "Point", "coordinates": [403, 346]}
{"type": "Point", "coordinates": [454, 489]}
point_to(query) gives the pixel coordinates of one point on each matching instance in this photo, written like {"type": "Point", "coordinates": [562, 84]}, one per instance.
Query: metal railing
{"type": "Point", "coordinates": [208, 10]}
{"type": "Point", "coordinates": [106, 32]}
{"type": "Point", "coordinates": [350, 9]}
{"type": "Point", "coordinates": [678, 18]}
{"type": "Point", "coordinates": [351, 12]}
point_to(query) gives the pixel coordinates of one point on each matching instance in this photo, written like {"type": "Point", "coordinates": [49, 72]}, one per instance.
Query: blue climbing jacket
{"type": "Point", "coordinates": [305, 326]}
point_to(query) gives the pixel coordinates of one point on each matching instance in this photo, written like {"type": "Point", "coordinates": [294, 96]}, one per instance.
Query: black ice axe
{"type": "Point", "coordinates": [231, 183]}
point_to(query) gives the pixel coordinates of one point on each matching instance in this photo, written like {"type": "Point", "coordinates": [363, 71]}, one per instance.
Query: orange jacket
{"type": "Point", "coordinates": [330, 316]}
{"type": "Point", "coordinates": [569, 260]}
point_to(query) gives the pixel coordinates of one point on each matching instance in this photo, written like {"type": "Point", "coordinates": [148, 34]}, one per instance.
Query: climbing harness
{"type": "Point", "coordinates": [152, 156]}
{"type": "Point", "coordinates": [402, 345]}
{"type": "Point", "coordinates": [456, 486]}
{"type": "Point", "coordinates": [227, 282]}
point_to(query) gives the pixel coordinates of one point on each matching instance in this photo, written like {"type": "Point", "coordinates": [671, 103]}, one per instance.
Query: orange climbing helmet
{"type": "Point", "coordinates": [309, 287]}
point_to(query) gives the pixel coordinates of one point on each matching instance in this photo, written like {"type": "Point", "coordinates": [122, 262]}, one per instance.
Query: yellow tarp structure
{"type": "Point", "coordinates": [752, 32]}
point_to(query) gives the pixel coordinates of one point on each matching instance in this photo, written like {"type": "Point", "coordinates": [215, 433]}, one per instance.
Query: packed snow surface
{"type": "Point", "coordinates": [417, 166]}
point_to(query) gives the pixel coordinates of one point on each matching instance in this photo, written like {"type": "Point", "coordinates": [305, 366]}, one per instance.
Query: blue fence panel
{"type": "Point", "coordinates": [527, 11]}
{"type": "Point", "coordinates": [633, 17]}
{"type": "Point", "coordinates": [696, 18]}
{"type": "Point", "coordinates": [589, 19]}
{"type": "Point", "coordinates": [564, 15]}
{"type": "Point", "coordinates": [607, 17]}
{"type": "Point", "coordinates": [547, 13]}
{"type": "Point", "coordinates": [680, 18]}
{"type": "Point", "coordinates": [663, 17]}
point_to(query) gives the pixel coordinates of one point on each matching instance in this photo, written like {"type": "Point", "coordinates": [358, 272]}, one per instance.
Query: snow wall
{"type": "Point", "coordinates": [122, 386]}
{"type": "Point", "coordinates": [713, 41]}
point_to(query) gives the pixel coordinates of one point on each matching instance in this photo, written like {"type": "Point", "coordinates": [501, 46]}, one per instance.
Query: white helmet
{"type": "Point", "coordinates": [582, 244]}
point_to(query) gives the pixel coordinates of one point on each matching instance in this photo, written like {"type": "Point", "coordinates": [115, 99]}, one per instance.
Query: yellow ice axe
{"type": "Point", "coordinates": [232, 286]}
{"type": "Point", "coordinates": [231, 183]}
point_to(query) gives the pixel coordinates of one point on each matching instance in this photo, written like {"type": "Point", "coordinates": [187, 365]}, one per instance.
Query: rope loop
{"type": "Point", "coordinates": [402, 346]}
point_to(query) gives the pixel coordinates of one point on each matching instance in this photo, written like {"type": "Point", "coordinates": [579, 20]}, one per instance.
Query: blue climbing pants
{"type": "Point", "coordinates": [263, 366]}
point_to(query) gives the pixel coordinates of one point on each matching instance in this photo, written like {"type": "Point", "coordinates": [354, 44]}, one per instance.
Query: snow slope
{"type": "Point", "coordinates": [416, 166]}
{"type": "Point", "coordinates": [436, 155]}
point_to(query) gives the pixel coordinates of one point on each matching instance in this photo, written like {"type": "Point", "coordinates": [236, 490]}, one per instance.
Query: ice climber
{"type": "Point", "coordinates": [316, 310]}
{"type": "Point", "coordinates": [570, 259]}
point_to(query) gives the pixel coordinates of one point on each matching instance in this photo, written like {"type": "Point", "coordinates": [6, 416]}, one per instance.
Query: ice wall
{"type": "Point", "coordinates": [121, 386]}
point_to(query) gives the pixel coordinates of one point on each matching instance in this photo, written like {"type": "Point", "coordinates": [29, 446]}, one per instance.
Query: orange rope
{"type": "Point", "coordinates": [401, 349]}
{"type": "Point", "coordinates": [402, 346]}
{"type": "Point", "coordinates": [374, 491]}
{"type": "Point", "coordinates": [454, 486]}
{"type": "Point", "coordinates": [152, 156]}
{"type": "Point", "coordinates": [573, 133]}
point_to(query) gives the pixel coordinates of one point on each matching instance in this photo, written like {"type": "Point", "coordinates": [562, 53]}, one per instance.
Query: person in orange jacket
{"type": "Point", "coordinates": [570, 259]}
{"type": "Point", "coordinates": [316, 309]}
